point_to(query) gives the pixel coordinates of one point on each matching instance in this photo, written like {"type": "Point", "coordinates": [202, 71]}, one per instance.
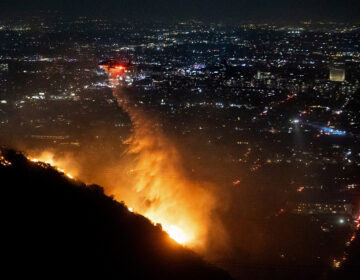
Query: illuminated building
{"type": "Point", "coordinates": [4, 67]}
{"type": "Point", "coordinates": [263, 75]}
{"type": "Point", "coordinates": [337, 71]}
{"type": "Point", "coordinates": [323, 208]}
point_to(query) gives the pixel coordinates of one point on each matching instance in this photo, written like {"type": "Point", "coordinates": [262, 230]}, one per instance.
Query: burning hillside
{"type": "Point", "coordinates": [76, 229]}
{"type": "Point", "coordinates": [155, 184]}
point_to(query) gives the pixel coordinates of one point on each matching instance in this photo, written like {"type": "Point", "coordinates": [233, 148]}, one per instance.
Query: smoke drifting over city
{"type": "Point", "coordinates": [162, 190]}
{"type": "Point", "coordinates": [151, 179]}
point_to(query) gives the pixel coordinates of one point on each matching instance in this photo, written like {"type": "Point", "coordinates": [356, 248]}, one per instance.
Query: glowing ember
{"type": "Point", "coordinates": [4, 162]}
{"type": "Point", "coordinates": [175, 233]}
{"type": "Point", "coordinates": [47, 158]}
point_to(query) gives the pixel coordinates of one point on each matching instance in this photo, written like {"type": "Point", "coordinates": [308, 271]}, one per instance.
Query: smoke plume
{"type": "Point", "coordinates": [150, 178]}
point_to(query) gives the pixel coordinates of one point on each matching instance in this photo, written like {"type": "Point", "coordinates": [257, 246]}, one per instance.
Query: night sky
{"type": "Point", "coordinates": [236, 10]}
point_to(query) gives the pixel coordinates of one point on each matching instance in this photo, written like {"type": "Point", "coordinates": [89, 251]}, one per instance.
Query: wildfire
{"type": "Point", "coordinates": [48, 158]}
{"type": "Point", "coordinates": [152, 182]}
{"type": "Point", "coordinates": [161, 191]}
{"type": "Point", "coordinates": [175, 232]}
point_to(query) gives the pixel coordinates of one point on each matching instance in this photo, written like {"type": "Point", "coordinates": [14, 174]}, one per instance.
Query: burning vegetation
{"type": "Point", "coordinates": [53, 224]}
{"type": "Point", "coordinates": [152, 181]}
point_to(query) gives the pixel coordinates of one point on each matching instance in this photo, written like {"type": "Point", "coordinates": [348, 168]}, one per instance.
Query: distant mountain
{"type": "Point", "coordinates": [53, 227]}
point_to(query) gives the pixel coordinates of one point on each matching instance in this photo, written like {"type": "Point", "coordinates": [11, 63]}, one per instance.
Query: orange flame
{"type": "Point", "coordinates": [159, 192]}
{"type": "Point", "coordinates": [163, 193]}
{"type": "Point", "coordinates": [160, 189]}
{"type": "Point", "coordinates": [59, 165]}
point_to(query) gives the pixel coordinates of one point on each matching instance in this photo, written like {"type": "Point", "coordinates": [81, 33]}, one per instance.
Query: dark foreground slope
{"type": "Point", "coordinates": [57, 228]}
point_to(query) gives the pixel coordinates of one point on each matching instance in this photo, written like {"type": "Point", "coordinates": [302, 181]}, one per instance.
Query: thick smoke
{"type": "Point", "coordinates": [150, 178]}
{"type": "Point", "coordinates": [161, 189]}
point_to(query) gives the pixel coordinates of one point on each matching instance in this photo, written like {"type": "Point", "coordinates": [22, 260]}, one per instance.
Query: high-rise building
{"type": "Point", "coordinates": [337, 71]}
{"type": "Point", "coordinates": [263, 75]}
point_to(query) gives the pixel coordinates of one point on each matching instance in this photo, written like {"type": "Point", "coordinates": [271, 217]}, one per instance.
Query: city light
{"type": "Point", "coordinates": [239, 141]}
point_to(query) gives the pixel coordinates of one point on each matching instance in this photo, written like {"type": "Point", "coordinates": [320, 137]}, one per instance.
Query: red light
{"type": "Point", "coordinates": [117, 69]}
{"type": "Point", "coordinates": [353, 237]}
{"type": "Point", "coordinates": [300, 189]}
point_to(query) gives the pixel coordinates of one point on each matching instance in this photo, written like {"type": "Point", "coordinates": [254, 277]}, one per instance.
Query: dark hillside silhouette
{"type": "Point", "coordinates": [54, 227]}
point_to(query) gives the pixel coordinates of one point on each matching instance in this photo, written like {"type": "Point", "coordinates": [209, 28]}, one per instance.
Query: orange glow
{"type": "Point", "coordinates": [353, 237]}
{"type": "Point", "coordinates": [159, 187]}
{"type": "Point", "coordinates": [180, 229]}
{"type": "Point", "coordinates": [161, 191]}
{"type": "Point", "coordinates": [336, 263]}
{"type": "Point", "coordinates": [151, 179]}
{"type": "Point", "coordinates": [177, 234]}
{"type": "Point", "coordinates": [115, 70]}
{"type": "Point", "coordinates": [48, 158]}
{"type": "Point", "coordinates": [300, 189]}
